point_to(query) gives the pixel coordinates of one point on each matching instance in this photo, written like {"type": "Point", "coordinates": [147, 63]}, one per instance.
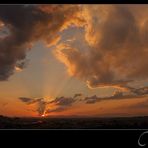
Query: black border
{"type": "Point", "coordinates": [71, 138]}
{"type": "Point", "coordinates": [73, 2]}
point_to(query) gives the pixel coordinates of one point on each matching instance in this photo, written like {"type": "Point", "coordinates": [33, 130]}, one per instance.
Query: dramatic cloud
{"type": "Point", "coordinates": [27, 24]}
{"type": "Point", "coordinates": [113, 34]}
{"type": "Point", "coordinates": [117, 46]}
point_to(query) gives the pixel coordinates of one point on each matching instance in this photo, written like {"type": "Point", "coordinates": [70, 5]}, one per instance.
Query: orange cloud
{"type": "Point", "coordinates": [112, 46]}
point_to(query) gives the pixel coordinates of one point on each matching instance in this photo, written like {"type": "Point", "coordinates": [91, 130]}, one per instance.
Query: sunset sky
{"type": "Point", "coordinates": [83, 60]}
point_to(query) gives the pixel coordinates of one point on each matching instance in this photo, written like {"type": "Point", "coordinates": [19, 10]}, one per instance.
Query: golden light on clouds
{"type": "Point", "coordinates": [1, 24]}
{"type": "Point", "coordinates": [60, 55]}
{"type": "Point", "coordinates": [75, 52]}
{"type": "Point", "coordinates": [18, 69]}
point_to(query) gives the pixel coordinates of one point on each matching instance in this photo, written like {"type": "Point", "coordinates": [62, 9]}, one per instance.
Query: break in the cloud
{"type": "Point", "coordinates": [61, 103]}
{"type": "Point", "coordinates": [117, 38]}
{"type": "Point", "coordinates": [28, 24]}
{"type": "Point", "coordinates": [41, 103]}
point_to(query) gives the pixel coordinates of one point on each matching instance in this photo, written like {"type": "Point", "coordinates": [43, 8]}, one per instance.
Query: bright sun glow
{"type": "Point", "coordinates": [43, 115]}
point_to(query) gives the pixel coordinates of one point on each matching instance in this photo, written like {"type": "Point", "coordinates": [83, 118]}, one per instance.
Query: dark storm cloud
{"type": "Point", "coordinates": [115, 36]}
{"type": "Point", "coordinates": [28, 24]}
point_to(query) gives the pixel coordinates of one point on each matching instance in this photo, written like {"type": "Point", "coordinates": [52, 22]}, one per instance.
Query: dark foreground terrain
{"type": "Point", "coordinates": [74, 123]}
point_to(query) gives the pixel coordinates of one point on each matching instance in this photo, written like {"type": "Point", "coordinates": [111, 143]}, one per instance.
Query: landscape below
{"type": "Point", "coordinates": [74, 123]}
